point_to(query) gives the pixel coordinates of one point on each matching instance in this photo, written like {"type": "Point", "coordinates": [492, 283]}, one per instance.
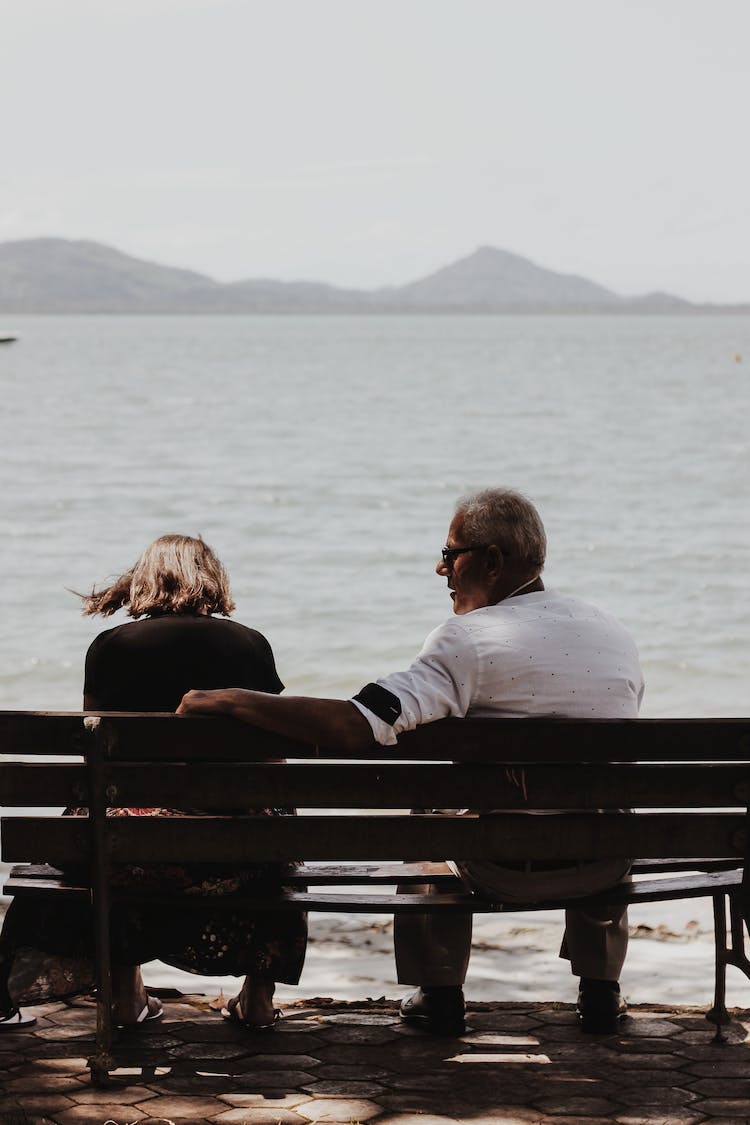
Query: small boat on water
{"type": "Point", "coordinates": [8, 339]}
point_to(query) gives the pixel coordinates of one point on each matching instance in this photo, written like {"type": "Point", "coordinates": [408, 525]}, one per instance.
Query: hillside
{"type": "Point", "coordinates": [55, 275]}
{"type": "Point", "coordinates": [494, 278]}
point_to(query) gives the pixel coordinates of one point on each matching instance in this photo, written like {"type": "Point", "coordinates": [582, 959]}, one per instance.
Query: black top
{"type": "Point", "coordinates": [148, 665]}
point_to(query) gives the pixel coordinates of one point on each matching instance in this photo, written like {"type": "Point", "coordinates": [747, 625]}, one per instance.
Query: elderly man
{"type": "Point", "coordinates": [514, 649]}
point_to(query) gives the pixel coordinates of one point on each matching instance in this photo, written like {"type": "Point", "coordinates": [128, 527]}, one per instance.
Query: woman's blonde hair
{"type": "Point", "coordinates": [175, 574]}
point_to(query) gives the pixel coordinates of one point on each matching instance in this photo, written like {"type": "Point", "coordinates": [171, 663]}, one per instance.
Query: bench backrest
{"type": "Point", "coordinates": [689, 779]}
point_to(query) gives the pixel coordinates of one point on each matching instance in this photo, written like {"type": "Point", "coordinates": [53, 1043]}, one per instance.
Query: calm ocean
{"type": "Point", "coordinates": [321, 456]}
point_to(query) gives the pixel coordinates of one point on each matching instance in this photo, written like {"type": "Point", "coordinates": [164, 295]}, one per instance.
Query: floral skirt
{"type": "Point", "coordinates": [46, 947]}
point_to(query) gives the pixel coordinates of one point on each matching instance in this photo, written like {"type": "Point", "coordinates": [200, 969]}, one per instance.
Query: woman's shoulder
{"type": "Point", "coordinates": [242, 633]}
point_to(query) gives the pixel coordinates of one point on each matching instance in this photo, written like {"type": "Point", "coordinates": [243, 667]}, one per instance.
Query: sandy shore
{"type": "Point", "coordinates": [350, 957]}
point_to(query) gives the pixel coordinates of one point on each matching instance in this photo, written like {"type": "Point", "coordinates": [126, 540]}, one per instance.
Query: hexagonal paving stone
{"type": "Point", "coordinates": [650, 1062]}
{"type": "Point", "coordinates": [503, 1039]}
{"type": "Point", "coordinates": [644, 1027]}
{"type": "Point", "coordinates": [625, 1080]}
{"type": "Point", "coordinates": [111, 1111]}
{"type": "Point", "coordinates": [126, 1095]}
{"type": "Point", "coordinates": [33, 1083]}
{"type": "Point", "coordinates": [362, 1019]}
{"type": "Point", "coordinates": [46, 1104]}
{"type": "Point", "coordinates": [733, 1033]}
{"type": "Point", "coordinates": [503, 1021]}
{"type": "Point", "coordinates": [271, 1062]}
{"type": "Point", "coordinates": [260, 1117]}
{"type": "Point", "coordinates": [513, 1115]}
{"type": "Point", "coordinates": [429, 1119]}
{"type": "Point", "coordinates": [258, 1081]}
{"type": "Point", "coordinates": [192, 1108]}
{"type": "Point", "coordinates": [721, 1066]}
{"type": "Point", "coordinates": [339, 1109]}
{"type": "Point", "coordinates": [218, 1031]}
{"type": "Point", "coordinates": [348, 1089]}
{"type": "Point", "coordinates": [352, 1034]}
{"type": "Point", "coordinates": [669, 1118]}
{"type": "Point", "coordinates": [576, 1107]}
{"type": "Point", "coordinates": [207, 1051]}
{"type": "Point", "coordinates": [717, 1087]}
{"type": "Point", "coordinates": [258, 1101]}
{"type": "Point", "coordinates": [724, 1107]}
{"type": "Point", "coordinates": [664, 1097]}
{"type": "Point", "coordinates": [356, 1073]}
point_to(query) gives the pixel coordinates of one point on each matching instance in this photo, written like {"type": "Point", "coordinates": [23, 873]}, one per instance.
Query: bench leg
{"type": "Point", "coordinates": [738, 956]}
{"type": "Point", "coordinates": [727, 955]}
{"type": "Point", "coordinates": [718, 1013]}
{"type": "Point", "coordinates": [100, 1065]}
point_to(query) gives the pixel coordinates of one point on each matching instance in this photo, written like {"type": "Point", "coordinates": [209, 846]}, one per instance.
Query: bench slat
{"type": "Point", "coordinates": [383, 786]}
{"type": "Point", "coordinates": [165, 737]}
{"type": "Point", "coordinates": [651, 890]}
{"type": "Point", "coordinates": [322, 874]}
{"type": "Point", "coordinates": [513, 836]}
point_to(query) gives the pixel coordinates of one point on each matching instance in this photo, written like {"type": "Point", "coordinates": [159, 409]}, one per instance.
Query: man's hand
{"type": "Point", "coordinates": [215, 702]}
{"type": "Point", "coordinates": [322, 722]}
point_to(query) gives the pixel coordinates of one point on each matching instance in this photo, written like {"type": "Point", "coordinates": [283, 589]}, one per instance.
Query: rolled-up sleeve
{"type": "Point", "coordinates": [440, 683]}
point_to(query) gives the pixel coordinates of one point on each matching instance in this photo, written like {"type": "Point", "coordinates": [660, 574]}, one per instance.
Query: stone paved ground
{"type": "Point", "coordinates": [335, 1062]}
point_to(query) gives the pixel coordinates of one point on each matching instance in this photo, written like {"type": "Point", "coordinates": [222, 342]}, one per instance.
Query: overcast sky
{"type": "Point", "coordinates": [368, 142]}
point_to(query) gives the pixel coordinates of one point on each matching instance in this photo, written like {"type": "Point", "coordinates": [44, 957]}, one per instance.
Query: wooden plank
{"type": "Point", "coordinates": [363, 902]}
{"type": "Point", "coordinates": [41, 877]}
{"type": "Point", "coordinates": [59, 888]}
{"type": "Point", "coordinates": [42, 732]}
{"type": "Point", "coordinates": [167, 737]}
{"type": "Point", "coordinates": [42, 784]}
{"type": "Point", "coordinates": [170, 737]}
{"type": "Point", "coordinates": [507, 740]}
{"type": "Point", "coordinates": [590, 740]}
{"type": "Point", "coordinates": [657, 866]}
{"type": "Point", "coordinates": [512, 836]}
{"type": "Point", "coordinates": [221, 786]}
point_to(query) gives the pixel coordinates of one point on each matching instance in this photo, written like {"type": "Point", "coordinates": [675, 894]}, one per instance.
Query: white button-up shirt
{"type": "Point", "coordinates": [542, 653]}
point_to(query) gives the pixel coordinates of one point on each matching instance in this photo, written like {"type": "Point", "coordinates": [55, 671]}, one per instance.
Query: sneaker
{"type": "Point", "coordinates": [439, 1010]}
{"type": "Point", "coordinates": [600, 1006]}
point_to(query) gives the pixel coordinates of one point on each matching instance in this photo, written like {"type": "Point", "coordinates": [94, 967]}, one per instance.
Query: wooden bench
{"type": "Point", "coordinates": [687, 780]}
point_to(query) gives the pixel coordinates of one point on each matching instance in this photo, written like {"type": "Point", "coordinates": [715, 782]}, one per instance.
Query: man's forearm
{"type": "Point", "coordinates": [324, 722]}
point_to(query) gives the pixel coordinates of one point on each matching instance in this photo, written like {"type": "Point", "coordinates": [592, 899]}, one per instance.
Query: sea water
{"type": "Point", "coordinates": [321, 458]}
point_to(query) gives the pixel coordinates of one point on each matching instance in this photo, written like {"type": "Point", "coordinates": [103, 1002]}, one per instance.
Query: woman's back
{"type": "Point", "coordinates": [148, 665]}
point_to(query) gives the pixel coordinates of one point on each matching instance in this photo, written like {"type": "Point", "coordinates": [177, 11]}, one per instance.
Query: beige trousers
{"type": "Point", "coordinates": [434, 949]}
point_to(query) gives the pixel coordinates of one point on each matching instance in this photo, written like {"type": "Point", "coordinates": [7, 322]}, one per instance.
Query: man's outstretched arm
{"type": "Point", "coordinates": [322, 722]}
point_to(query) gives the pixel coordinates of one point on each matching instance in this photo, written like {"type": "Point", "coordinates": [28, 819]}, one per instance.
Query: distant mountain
{"type": "Point", "coordinates": [494, 278]}
{"type": "Point", "coordinates": [55, 275]}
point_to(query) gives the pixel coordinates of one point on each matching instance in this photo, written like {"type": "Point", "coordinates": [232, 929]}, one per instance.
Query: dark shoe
{"type": "Point", "coordinates": [440, 1010]}
{"type": "Point", "coordinates": [600, 1006]}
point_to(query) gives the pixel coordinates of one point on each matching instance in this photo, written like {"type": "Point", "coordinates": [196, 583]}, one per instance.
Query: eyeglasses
{"type": "Point", "coordinates": [450, 554]}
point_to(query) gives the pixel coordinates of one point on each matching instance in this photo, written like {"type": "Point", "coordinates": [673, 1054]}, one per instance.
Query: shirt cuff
{"type": "Point", "coordinates": [382, 732]}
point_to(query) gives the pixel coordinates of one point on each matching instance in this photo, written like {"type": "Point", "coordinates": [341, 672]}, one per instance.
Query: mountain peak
{"type": "Point", "coordinates": [490, 277]}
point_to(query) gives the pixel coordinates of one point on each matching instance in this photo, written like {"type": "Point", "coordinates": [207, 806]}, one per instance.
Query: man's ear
{"type": "Point", "coordinates": [495, 560]}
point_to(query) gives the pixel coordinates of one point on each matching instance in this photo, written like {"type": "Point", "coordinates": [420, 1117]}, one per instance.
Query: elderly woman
{"type": "Point", "coordinates": [179, 594]}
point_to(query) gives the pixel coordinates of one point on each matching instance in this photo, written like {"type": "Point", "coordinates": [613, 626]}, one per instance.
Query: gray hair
{"type": "Point", "coordinates": [507, 518]}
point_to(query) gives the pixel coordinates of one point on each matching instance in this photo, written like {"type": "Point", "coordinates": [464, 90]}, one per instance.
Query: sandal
{"type": "Point", "coordinates": [16, 1020]}
{"type": "Point", "coordinates": [152, 1010]}
{"type": "Point", "coordinates": [233, 1013]}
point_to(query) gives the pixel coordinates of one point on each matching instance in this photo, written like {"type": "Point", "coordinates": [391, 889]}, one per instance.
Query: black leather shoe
{"type": "Point", "coordinates": [600, 1006]}
{"type": "Point", "coordinates": [440, 1010]}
